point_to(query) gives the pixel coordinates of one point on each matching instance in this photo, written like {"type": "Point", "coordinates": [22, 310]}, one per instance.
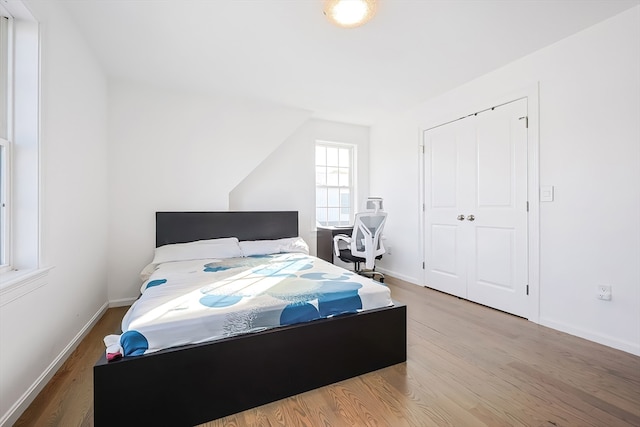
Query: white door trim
{"type": "Point", "coordinates": [531, 93]}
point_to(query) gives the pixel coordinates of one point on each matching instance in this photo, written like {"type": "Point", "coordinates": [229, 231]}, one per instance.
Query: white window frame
{"type": "Point", "coordinates": [352, 185]}
{"type": "Point", "coordinates": [22, 254]}
{"type": "Point", "coordinates": [6, 79]}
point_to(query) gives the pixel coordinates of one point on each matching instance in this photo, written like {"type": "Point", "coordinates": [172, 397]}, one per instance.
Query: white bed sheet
{"type": "Point", "coordinates": [194, 301]}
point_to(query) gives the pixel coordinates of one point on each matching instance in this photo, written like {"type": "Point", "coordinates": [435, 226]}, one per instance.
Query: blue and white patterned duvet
{"type": "Point", "coordinates": [190, 302]}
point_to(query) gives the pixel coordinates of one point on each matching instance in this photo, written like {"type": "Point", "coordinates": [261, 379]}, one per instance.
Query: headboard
{"type": "Point", "coordinates": [182, 227]}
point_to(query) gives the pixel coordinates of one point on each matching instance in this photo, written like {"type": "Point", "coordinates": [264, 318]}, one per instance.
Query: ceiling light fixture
{"type": "Point", "coordinates": [349, 13]}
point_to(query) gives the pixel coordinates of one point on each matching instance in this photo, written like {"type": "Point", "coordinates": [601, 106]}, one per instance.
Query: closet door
{"type": "Point", "coordinates": [497, 264]}
{"type": "Point", "coordinates": [446, 205]}
{"type": "Point", "coordinates": [476, 208]}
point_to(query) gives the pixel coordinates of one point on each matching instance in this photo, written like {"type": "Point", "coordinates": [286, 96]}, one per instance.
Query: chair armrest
{"type": "Point", "coordinates": [336, 239]}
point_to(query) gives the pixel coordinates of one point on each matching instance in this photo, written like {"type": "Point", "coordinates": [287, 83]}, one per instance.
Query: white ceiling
{"type": "Point", "coordinates": [286, 52]}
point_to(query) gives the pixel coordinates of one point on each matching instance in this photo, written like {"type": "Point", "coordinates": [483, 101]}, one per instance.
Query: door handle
{"type": "Point", "coordinates": [471, 217]}
{"type": "Point", "coordinates": [460, 217]}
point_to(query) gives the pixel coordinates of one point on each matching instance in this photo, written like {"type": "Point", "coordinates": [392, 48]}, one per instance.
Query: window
{"type": "Point", "coordinates": [19, 143]}
{"type": "Point", "coordinates": [5, 163]}
{"type": "Point", "coordinates": [335, 188]}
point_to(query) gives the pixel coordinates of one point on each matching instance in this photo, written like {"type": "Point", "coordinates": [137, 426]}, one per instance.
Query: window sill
{"type": "Point", "coordinates": [17, 283]}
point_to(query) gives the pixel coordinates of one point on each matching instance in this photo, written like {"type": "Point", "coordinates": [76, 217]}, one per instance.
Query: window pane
{"type": "Point", "coordinates": [334, 197]}
{"type": "Point", "coordinates": [332, 156]}
{"type": "Point", "coordinates": [344, 156]}
{"type": "Point", "coordinates": [345, 198]}
{"type": "Point", "coordinates": [321, 216]}
{"type": "Point", "coordinates": [321, 197]}
{"type": "Point", "coordinates": [334, 216]}
{"type": "Point", "coordinates": [2, 172]}
{"type": "Point", "coordinates": [321, 175]}
{"type": "Point", "coordinates": [332, 176]}
{"type": "Point", "coordinates": [4, 76]}
{"type": "Point", "coordinates": [343, 177]}
{"type": "Point", "coordinates": [345, 206]}
{"type": "Point", "coordinates": [321, 155]}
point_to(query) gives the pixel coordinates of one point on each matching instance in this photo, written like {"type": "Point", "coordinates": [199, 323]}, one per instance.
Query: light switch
{"type": "Point", "coordinates": [546, 193]}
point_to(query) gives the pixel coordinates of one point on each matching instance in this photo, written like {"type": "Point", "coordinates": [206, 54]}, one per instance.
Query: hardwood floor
{"type": "Point", "coordinates": [468, 365]}
{"type": "Point", "coordinates": [67, 400]}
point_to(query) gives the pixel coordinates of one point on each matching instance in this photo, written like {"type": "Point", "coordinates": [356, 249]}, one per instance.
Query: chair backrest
{"type": "Point", "coordinates": [366, 239]}
{"type": "Point", "coordinates": [374, 204]}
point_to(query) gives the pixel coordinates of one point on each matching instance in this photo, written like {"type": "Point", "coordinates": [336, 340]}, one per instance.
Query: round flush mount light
{"type": "Point", "coordinates": [349, 13]}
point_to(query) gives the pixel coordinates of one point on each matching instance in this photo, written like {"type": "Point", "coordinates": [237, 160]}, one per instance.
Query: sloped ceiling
{"type": "Point", "coordinates": [286, 52]}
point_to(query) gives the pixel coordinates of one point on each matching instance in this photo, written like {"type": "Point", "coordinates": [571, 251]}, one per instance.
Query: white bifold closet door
{"type": "Point", "coordinates": [476, 208]}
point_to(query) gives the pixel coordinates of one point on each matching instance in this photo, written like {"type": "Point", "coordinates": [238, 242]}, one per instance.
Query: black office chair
{"type": "Point", "coordinates": [364, 245]}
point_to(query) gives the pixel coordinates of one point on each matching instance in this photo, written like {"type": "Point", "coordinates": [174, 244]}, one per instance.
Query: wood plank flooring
{"type": "Point", "coordinates": [468, 365]}
{"type": "Point", "coordinates": [67, 400]}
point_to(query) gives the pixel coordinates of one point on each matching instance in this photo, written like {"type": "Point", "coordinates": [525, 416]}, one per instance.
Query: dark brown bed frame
{"type": "Point", "coordinates": [193, 384]}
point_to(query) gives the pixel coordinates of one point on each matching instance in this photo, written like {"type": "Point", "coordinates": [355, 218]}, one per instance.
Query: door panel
{"type": "Point", "coordinates": [446, 270]}
{"type": "Point", "coordinates": [494, 257]}
{"type": "Point", "coordinates": [446, 256]}
{"type": "Point", "coordinates": [444, 171]}
{"type": "Point", "coordinates": [498, 272]}
{"type": "Point", "coordinates": [494, 163]}
{"type": "Point", "coordinates": [444, 250]}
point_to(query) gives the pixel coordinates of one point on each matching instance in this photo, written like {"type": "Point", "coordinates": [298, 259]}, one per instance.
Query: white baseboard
{"type": "Point", "coordinates": [400, 276]}
{"type": "Point", "coordinates": [27, 398]}
{"type": "Point", "coordinates": [629, 347]}
{"type": "Point", "coordinates": [121, 302]}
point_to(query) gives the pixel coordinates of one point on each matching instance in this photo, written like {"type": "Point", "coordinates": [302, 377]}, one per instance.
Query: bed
{"type": "Point", "coordinates": [195, 383]}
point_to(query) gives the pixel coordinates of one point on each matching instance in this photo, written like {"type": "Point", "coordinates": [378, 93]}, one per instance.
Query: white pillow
{"type": "Point", "coordinates": [265, 247]}
{"type": "Point", "coordinates": [147, 271]}
{"type": "Point", "coordinates": [201, 249]}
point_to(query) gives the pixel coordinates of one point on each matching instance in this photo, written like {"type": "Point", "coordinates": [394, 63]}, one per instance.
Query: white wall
{"type": "Point", "coordinates": [589, 150]}
{"type": "Point", "coordinates": [38, 329]}
{"type": "Point", "coordinates": [177, 151]}
{"type": "Point", "coordinates": [395, 166]}
{"type": "Point", "coordinates": [286, 179]}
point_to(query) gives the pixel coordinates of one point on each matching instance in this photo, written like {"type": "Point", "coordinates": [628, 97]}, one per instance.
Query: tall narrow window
{"type": "Point", "coordinates": [335, 187]}
{"type": "Point", "coordinates": [5, 163]}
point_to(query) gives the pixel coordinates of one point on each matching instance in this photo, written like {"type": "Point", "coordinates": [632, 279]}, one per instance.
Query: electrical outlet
{"type": "Point", "coordinates": [388, 250]}
{"type": "Point", "coordinates": [604, 292]}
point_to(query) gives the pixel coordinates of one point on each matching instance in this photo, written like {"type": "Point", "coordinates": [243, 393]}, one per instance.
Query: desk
{"type": "Point", "coordinates": [324, 240]}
